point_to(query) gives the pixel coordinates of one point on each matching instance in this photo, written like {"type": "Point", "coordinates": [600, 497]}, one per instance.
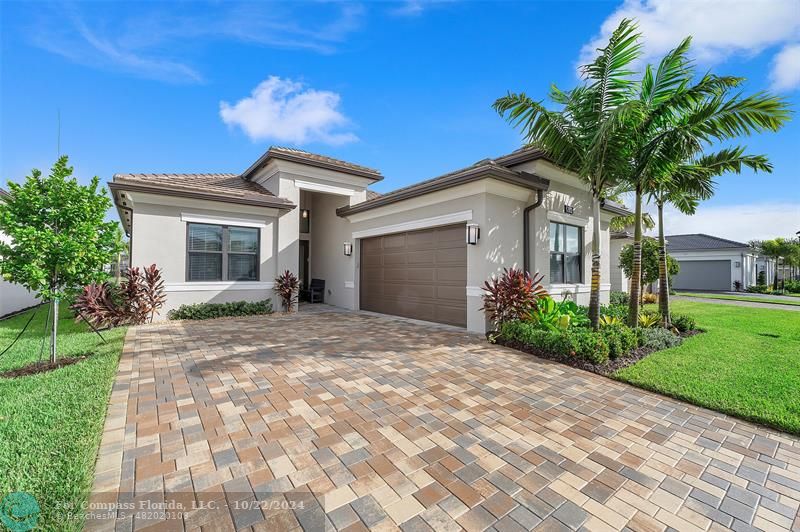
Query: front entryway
{"type": "Point", "coordinates": [417, 274]}
{"type": "Point", "coordinates": [303, 264]}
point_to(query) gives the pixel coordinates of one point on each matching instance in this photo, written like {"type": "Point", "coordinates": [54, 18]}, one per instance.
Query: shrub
{"type": "Point", "coordinates": [621, 340]}
{"type": "Point", "coordinates": [614, 311]}
{"type": "Point", "coordinates": [205, 311]}
{"type": "Point", "coordinates": [649, 297]}
{"type": "Point", "coordinates": [512, 295]}
{"type": "Point", "coordinates": [583, 343]}
{"type": "Point", "coordinates": [792, 286]}
{"type": "Point", "coordinates": [286, 286]}
{"type": "Point", "coordinates": [759, 289]}
{"type": "Point", "coordinates": [762, 278]}
{"type": "Point", "coordinates": [657, 338]}
{"type": "Point", "coordinates": [138, 298]}
{"type": "Point", "coordinates": [609, 321]}
{"type": "Point", "coordinates": [618, 297]}
{"type": "Point", "coordinates": [684, 322]}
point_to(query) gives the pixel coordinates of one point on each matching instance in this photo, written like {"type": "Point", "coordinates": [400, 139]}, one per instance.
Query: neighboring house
{"type": "Point", "coordinates": [711, 263]}
{"type": "Point", "coordinates": [225, 237]}
{"type": "Point", "coordinates": [13, 297]}
{"type": "Point", "coordinates": [619, 281]}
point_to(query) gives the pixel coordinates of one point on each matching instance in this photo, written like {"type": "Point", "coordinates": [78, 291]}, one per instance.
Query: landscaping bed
{"type": "Point", "coordinates": [51, 423]}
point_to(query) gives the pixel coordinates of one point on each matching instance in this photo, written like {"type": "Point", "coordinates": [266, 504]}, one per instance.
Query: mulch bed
{"type": "Point", "coordinates": [42, 367]}
{"type": "Point", "coordinates": [605, 370]}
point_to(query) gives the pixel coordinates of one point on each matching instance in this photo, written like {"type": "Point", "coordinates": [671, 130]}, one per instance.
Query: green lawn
{"type": "Point", "coordinates": [747, 364]}
{"type": "Point", "coordinates": [51, 423]}
{"type": "Point", "coordinates": [742, 297]}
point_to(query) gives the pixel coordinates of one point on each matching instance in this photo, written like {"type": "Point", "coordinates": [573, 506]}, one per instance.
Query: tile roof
{"type": "Point", "coordinates": [225, 187]}
{"type": "Point", "coordinates": [700, 241]}
{"type": "Point", "coordinates": [314, 159]}
{"type": "Point", "coordinates": [371, 194]}
{"type": "Point", "coordinates": [3, 192]}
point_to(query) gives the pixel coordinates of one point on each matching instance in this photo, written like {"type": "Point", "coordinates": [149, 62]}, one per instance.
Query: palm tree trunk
{"type": "Point", "coordinates": [636, 277]}
{"type": "Point", "coordinates": [594, 296]}
{"type": "Point", "coordinates": [663, 277]}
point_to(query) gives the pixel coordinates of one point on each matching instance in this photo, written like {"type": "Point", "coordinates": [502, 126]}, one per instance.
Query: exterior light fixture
{"type": "Point", "coordinates": [348, 249]}
{"type": "Point", "coordinates": [304, 213]}
{"type": "Point", "coordinates": [473, 234]}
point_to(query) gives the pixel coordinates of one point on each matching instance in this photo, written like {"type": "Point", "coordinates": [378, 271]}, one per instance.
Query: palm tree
{"type": "Point", "coordinates": [678, 120]}
{"type": "Point", "coordinates": [588, 134]}
{"type": "Point", "coordinates": [684, 189]}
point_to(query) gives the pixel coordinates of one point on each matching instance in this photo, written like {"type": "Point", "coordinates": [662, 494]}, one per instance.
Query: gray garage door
{"type": "Point", "coordinates": [703, 275]}
{"type": "Point", "coordinates": [417, 274]}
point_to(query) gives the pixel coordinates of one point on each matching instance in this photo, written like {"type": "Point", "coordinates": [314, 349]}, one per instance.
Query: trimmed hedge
{"type": "Point", "coordinates": [584, 343]}
{"type": "Point", "coordinates": [206, 311]}
{"type": "Point", "coordinates": [621, 340]}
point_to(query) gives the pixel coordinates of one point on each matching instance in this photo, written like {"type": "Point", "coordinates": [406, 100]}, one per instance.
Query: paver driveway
{"type": "Point", "coordinates": [342, 420]}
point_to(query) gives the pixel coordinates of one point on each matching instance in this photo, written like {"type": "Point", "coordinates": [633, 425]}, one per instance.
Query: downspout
{"type": "Point", "coordinates": [526, 229]}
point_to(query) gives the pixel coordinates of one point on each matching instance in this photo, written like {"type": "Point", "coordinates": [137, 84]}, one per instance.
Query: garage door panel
{"type": "Point", "coordinates": [419, 274]}
{"type": "Point", "coordinates": [703, 275]}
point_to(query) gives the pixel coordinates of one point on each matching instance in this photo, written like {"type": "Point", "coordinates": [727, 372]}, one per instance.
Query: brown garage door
{"type": "Point", "coordinates": [418, 274]}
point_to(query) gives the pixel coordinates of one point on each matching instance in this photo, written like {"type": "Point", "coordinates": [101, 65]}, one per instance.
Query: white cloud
{"type": "Point", "coordinates": [786, 68]}
{"type": "Point", "coordinates": [286, 111]}
{"type": "Point", "coordinates": [720, 28]}
{"type": "Point", "coordinates": [754, 221]}
{"type": "Point", "coordinates": [409, 8]}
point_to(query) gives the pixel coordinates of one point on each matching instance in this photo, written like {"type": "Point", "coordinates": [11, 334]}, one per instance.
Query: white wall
{"type": "Point", "coordinates": [619, 281]}
{"type": "Point", "coordinates": [159, 236]}
{"type": "Point", "coordinates": [14, 297]}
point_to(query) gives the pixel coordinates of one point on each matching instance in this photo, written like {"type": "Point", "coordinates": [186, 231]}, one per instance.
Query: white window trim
{"type": "Point", "coordinates": [320, 187]}
{"type": "Point", "coordinates": [221, 220]}
{"type": "Point", "coordinates": [218, 286]}
{"type": "Point", "coordinates": [423, 223]}
{"type": "Point", "coordinates": [579, 288]}
{"type": "Point", "coordinates": [569, 219]}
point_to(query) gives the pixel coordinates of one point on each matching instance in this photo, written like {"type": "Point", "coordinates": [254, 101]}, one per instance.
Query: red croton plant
{"type": "Point", "coordinates": [512, 295]}
{"type": "Point", "coordinates": [135, 301]}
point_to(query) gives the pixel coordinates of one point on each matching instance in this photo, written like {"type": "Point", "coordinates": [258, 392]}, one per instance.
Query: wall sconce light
{"type": "Point", "coordinates": [348, 249]}
{"type": "Point", "coordinates": [473, 234]}
{"type": "Point", "coordinates": [304, 213]}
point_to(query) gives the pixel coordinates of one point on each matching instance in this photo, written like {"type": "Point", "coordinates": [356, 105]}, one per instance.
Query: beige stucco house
{"type": "Point", "coordinates": [422, 251]}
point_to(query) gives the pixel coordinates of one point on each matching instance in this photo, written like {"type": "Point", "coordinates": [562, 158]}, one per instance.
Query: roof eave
{"type": "Point", "coordinates": [486, 171]}
{"type": "Point", "coordinates": [615, 208]}
{"type": "Point", "coordinates": [270, 154]}
{"type": "Point", "coordinates": [276, 203]}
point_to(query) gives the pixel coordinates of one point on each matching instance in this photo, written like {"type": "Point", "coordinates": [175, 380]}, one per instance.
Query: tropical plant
{"type": "Point", "coordinates": [588, 134]}
{"type": "Point", "coordinates": [618, 297]}
{"type": "Point", "coordinates": [684, 322]}
{"type": "Point", "coordinates": [512, 295]}
{"type": "Point", "coordinates": [609, 321]}
{"type": "Point", "coordinates": [548, 314]}
{"type": "Point", "coordinates": [59, 239]}
{"type": "Point", "coordinates": [657, 338]}
{"type": "Point", "coordinates": [135, 301]}
{"type": "Point", "coordinates": [621, 340]}
{"type": "Point", "coordinates": [647, 320]}
{"type": "Point", "coordinates": [676, 120]}
{"type": "Point", "coordinates": [777, 249]}
{"type": "Point", "coordinates": [287, 286]}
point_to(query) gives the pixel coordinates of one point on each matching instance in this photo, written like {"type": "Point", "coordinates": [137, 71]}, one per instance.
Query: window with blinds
{"type": "Point", "coordinates": [566, 243]}
{"type": "Point", "coordinates": [222, 253]}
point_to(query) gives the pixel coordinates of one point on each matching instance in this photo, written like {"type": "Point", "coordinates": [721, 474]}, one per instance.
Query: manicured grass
{"type": "Point", "coordinates": [747, 364]}
{"type": "Point", "coordinates": [51, 423]}
{"type": "Point", "coordinates": [742, 297]}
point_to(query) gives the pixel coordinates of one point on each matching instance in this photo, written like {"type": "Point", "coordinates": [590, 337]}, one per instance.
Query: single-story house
{"type": "Point", "coordinates": [13, 297]}
{"type": "Point", "coordinates": [422, 251]}
{"type": "Point", "coordinates": [711, 263]}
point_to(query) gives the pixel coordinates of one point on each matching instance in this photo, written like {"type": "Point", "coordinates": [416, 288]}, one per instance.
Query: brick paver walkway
{"type": "Point", "coordinates": [328, 420]}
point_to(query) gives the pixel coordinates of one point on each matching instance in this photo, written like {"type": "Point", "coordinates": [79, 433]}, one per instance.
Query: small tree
{"type": "Point", "coordinates": [60, 240]}
{"type": "Point", "coordinates": [650, 261]}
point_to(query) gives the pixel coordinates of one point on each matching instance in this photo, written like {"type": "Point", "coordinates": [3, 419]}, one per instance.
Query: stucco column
{"type": "Point", "coordinates": [289, 230]}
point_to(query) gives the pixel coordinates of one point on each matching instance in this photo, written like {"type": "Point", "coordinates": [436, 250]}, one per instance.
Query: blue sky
{"type": "Point", "coordinates": [405, 87]}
